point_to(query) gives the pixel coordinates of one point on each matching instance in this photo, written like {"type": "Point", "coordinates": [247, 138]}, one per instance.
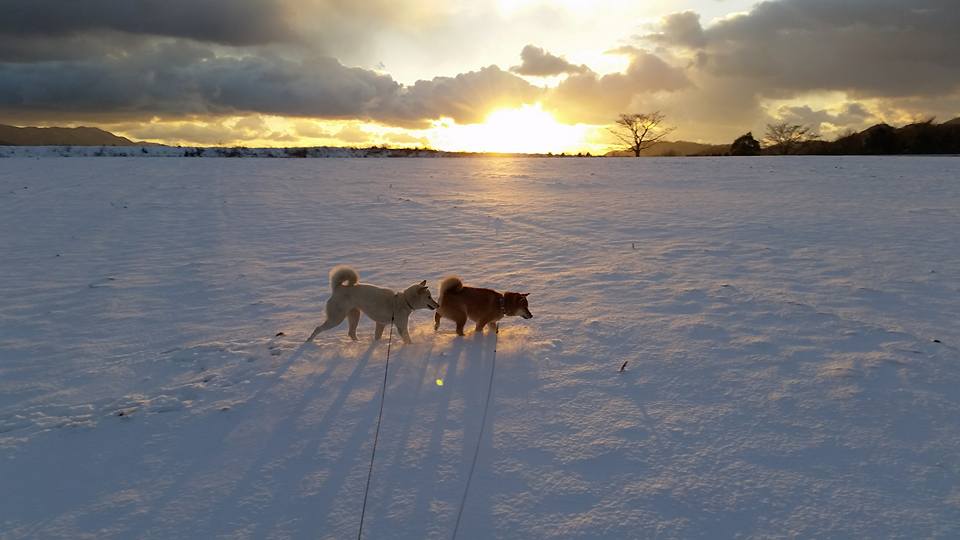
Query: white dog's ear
{"type": "Point", "coordinates": [423, 283]}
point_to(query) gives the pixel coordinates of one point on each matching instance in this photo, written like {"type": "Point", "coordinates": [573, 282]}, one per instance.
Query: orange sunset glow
{"type": "Point", "coordinates": [531, 76]}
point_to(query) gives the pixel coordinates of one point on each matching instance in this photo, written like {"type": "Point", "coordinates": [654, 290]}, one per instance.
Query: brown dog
{"type": "Point", "coordinates": [483, 306]}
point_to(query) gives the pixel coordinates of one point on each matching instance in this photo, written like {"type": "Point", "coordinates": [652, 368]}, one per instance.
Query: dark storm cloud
{"type": "Point", "coordinates": [126, 59]}
{"type": "Point", "coordinates": [181, 79]}
{"type": "Point", "coordinates": [230, 22]}
{"type": "Point", "coordinates": [869, 48]}
{"type": "Point", "coordinates": [32, 30]}
{"type": "Point", "coordinates": [18, 48]}
{"type": "Point", "coordinates": [540, 63]}
{"type": "Point", "coordinates": [178, 79]}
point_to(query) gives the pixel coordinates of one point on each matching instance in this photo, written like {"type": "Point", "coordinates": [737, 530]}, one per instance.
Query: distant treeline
{"type": "Point", "coordinates": [882, 139]}
{"type": "Point", "coordinates": [926, 137]}
{"type": "Point", "coordinates": [920, 138]}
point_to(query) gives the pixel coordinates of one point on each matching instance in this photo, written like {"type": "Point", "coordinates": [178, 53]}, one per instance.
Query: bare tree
{"type": "Point", "coordinates": [786, 137]}
{"type": "Point", "coordinates": [639, 131]}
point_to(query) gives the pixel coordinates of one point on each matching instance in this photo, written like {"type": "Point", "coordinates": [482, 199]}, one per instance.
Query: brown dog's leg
{"type": "Point", "coordinates": [461, 320]}
{"type": "Point", "coordinates": [436, 321]}
{"type": "Point", "coordinates": [378, 333]}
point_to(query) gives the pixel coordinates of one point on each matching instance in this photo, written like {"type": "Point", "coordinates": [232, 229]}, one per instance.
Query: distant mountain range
{"type": "Point", "coordinates": [918, 138]}
{"type": "Point", "coordinates": [58, 136]}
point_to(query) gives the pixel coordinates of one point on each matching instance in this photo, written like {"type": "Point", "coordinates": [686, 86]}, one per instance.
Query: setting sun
{"type": "Point", "coordinates": [528, 129]}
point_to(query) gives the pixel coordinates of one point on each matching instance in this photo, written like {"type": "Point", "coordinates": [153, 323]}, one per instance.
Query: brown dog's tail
{"type": "Point", "coordinates": [339, 274]}
{"type": "Point", "coordinates": [450, 284]}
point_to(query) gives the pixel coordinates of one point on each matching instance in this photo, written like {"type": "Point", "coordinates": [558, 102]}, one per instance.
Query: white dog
{"type": "Point", "coordinates": [382, 305]}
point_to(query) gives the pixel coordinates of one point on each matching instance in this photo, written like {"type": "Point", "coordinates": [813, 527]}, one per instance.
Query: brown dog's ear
{"type": "Point", "coordinates": [526, 294]}
{"type": "Point", "coordinates": [423, 283]}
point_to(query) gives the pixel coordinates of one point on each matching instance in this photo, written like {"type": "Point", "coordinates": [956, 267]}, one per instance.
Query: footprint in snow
{"type": "Point", "coordinates": [100, 283]}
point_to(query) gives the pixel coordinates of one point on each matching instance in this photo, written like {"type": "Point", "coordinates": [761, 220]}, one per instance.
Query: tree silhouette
{"type": "Point", "coordinates": [639, 131]}
{"type": "Point", "coordinates": [745, 145]}
{"type": "Point", "coordinates": [786, 137]}
{"type": "Point", "coordinates": [882, 139]}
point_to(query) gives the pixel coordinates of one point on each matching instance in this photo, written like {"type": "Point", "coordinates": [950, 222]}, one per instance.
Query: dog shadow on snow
{"type": "Point", "coordinates": [293, 460]}
{"type": "Point", "coordinates": [283, 458]}
{"type": "Point", "coordinates": [303, 473]}
{"type": "Point", "coordinates": [428, 436]}
{"type": "Point", "coordinates": [427, 448]}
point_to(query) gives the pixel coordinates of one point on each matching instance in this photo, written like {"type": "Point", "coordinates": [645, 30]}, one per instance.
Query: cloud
{"type": "Point", "coordinates": [681, 29]}
{"type": "Point", "coordinates": [178, 79]}
{"type": "Point", "coordinates": [36, 48]}
{"type": "Point", "coordinates": [849, 114]}
{"type": "Point", "coordinates": [32, 30]}
{"type": "Point", "coordinates": [882, 60]}
{"type": "Point", "coordinates": [540, 63]}
{"type": "Point", "coordinates": [230, 22]}
{"type": "Point", "coordinates": [406, 139]}
{"type": "Point", "coordinates": [108, 61]}
{"type": "Point", "coordinates": [201, 133]}
{"type": "Point", "coordinates": [206, 132]}
{"type": "Point", "coordinates": [466, 98]}
{"type": "Point", "coordinates": [592, 98]}
{"type": "Point", "coordinates": [117, 60]}
{"type": "Point", "coordinates": [824, 121]}
{"type": "Point", "coordinates": [867, 48]}
{"type": "Point", "coordinates": [181, 79]}
{"type": "Point", "coordinates": [311, 129]}
{"type": "Point", "coordinates": [353, 134]}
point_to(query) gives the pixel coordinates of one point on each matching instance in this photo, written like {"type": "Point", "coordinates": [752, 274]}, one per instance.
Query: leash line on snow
{"type": "Point", "coordinates": [476, 451]}
{"type": "Point", "coordinates": [376, 434]}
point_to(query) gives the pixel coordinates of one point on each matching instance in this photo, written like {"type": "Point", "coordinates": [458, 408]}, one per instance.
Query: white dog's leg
{"type": "Point", "coordinates": [378, 333]}
{"type": "Point", "coordinates": [402, 327]}
{"type": "Point", "coordinates": [335, 316]}
{"type": "Point", "coordinates": [354, 319]}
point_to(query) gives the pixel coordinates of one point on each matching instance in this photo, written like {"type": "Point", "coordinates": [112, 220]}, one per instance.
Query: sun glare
{"type": "Point", "coordinates": [529, 130]}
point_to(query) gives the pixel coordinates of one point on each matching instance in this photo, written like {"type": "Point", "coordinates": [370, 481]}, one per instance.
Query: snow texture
{"type": "Point", "coordinates": [789, 327]}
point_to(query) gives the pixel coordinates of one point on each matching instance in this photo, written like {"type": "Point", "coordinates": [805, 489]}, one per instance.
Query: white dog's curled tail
{"type": "Point", "coordinates": [342, 273]}
{"type": "Point", "coordinates": [450, 284]}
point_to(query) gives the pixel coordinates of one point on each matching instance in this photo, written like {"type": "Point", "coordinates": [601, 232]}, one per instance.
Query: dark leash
{"type": "Point", "coordinates": [376, 435]}
{"type": "Point", "coordinates": [476, 450]}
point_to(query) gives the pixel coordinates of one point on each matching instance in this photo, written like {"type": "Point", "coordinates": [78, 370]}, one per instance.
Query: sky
{"type": "Point", "coordinates": [478, 75]}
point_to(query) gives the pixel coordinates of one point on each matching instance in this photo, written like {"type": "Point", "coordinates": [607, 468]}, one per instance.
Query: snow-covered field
{"type": "Point", "coordinates": [790, 327]}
